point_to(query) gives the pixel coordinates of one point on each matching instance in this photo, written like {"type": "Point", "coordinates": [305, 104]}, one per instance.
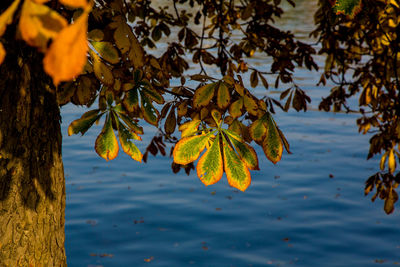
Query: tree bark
{"type": "Point", "coordinates": [32, 184]}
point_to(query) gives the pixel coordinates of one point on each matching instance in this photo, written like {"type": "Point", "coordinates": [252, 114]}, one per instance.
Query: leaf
{"type": "Point", "coordinates": [106, 144]}
{"type": "Point", "coordinates": [106, 51]}
{"type": "Point", "coordinates": [223, 96]}
{"type": "Point", "coordinates": [131, 100]}
{"type": "Point", "coordinates": [132, 125]}
{"type": "Point", "coordinates": [188, 149]}
{"type": "Point", "coordinates": [66, 56]}
{"type": "Point", "coordinates": [136, 53]}
{"type": "Point", "coordinates": [153, 94]}
{"type": "Point", "coordinates": [258, 131]}
{"type": "Point", "coordinates": [75, 3]}
{"type": "Point", "coordinates": [189, 128]}
{"type": "Point", "coordinates": [203, 95]}
{"type": "Point", "coordinates": [235, 109]}
{"type": "Point", "coordinates": [272, 144]}
{"type": "Point", "coordinates": [383, 161]}
{"type": "Point", "coordinates": [170, 122]}
{"type": "Point", "coordinates": [85, 122]}
{"type": "Point", "coordinates": [122, 35]}
{"type": "Point", "coordinates": [254, 79]}
{"type": "Point", "coordinates": [284, 141]}
{"type": "Point", "coordinates": [150, 114]}
{"type": "Point", "coordinates": [96, 35]}
{"type": "Point", "coordinates": [263, 80]}
{"type": "Point", "coordinates": [236, 171]}
{"type": "Point", "coordinates": [128, 146]}
{"type": "Point", "coordinates": [101, 70]}
{"type": "Point", "coordinates": [2, 53]}
{"type": "Point", "coordinates": [246, 153]}
{"type": "Point", "coordinates": [391, 198]}
{"type": "Point", "coordinates": [6, 17]}
{"type": "Point", "coordinates": [210, 166]}
{"type": "Point", "coordinates": [251, 105]}
{"type": "Point", "coordinates": [347, 7]}
{"type": "Point", "coordinates": [239, 88]}
{"type": "Point", "coordinates": [392, 161]}
{"type": "Point", "coordinates": [39, 23]}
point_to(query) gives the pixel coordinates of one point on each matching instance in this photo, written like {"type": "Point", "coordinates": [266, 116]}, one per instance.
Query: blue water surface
{"type": "Point", "coordinates": [307, 210]}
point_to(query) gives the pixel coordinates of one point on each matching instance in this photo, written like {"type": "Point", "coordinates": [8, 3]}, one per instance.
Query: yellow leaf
{"type": "Point", "coordinates": [7, 16]}
{"type": "Point", "coordinates": [2, 53]}
{"type": "Point", "coordinates": [210, 166]}
{"type": "Point", "coordinates": [106, 144]}
{"type": "Point", "coordinates": [392, 161]}
{"type": "Point", "coordinates": [189, 128]}
{"type": "Point", "coordinates": [66, 56]}
{"type": "Point", "coordinates": [383, 161]}
{"type": "Point", "coordinates": [75, 3]}
{"type": "Point", "coordinates": [188, 149]}
{"type": "Point", "coordinates": [39, 23]}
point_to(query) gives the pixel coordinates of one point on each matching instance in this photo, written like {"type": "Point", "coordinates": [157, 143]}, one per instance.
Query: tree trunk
{"type": "Point", "coordinates": [32, 184]}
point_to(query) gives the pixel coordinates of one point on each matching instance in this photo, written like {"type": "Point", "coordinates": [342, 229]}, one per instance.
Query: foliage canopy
{"type": "Point", "coordinates": [101, 51]}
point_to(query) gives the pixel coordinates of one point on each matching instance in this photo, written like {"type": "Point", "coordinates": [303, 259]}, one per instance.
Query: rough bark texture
{"type": "Point", "coordinates": [32, 185]}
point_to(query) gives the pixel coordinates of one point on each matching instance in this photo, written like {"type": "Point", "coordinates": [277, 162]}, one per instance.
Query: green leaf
{"type": "Point", "coordinates": [131, 124]}
{"type": "Point", "coordinates": [203, 95]}
{"type": "Point", "coordinates": [106, 51]}
{"type": "Point", "coordinates": [347, 7]}
{"type": "Point", "coordinates": [153, 95]}
{"type": "Point", "coordinates": [150, 114]}
{"type": "Point", "coordinates": [246, 153]}
{"type": "Point", "coordinates": [284, 141]}
{"type": "Point", "coordinates": [85, 122]}
{"type": "Point", "coordinates": [236, 171]}
{"type": "Point", "coordinates": [223, 95]}
{"type": "Point", "coordinates": [125, 137]}
{"type": "Point", "coordinates": [272, 144]}
{"type": "Point", "coordinates": [188, 149]}
{"type": "Point", "coordinates": [258, 131]}
{"type": "Point", "coordinates": [131, 100]}
{"type": "Point", "coordinates": [235, 109]}
{"type": "Point", "coordinates": [106, 144]}
{"type": "Point", "coordinates": [251, 105]}
{"type": "Point", "coordinates": [210, 167]}
{"type": "Point", "coordinates": [189, 128]}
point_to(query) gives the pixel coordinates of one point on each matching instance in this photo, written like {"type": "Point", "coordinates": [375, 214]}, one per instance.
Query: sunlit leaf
{"type": "Point", "coordinates": [106, 144]}
{"type": "Point", "coordinates": [203, 95]}
{"type": "Point", "coordinates": [392, 161]}
{"type": "Point", "coordinates": [246, 153]}
{"type": "Point", "coordinates": [258, 131]}
{"type": "Point", "coordinates": [189, 128]}
{"type": "Point", "coordinates": [216, 115]}
{"type": "Point", "coordinates": [236, 170]}
{"type": "Point", "coordinates": [7, 16]}
{"type": "Point", "coordinates": [188, 149]}
{"type": "Point", "coordinates": [84, 123]}
{"type": "Point", "coordinates": [131, 124]}
{"type": "Point", "coordinates": [210, 166]}
{"type": "Point", "coordinates": [383, 161]}
{"type": "Point", "coordinates": [75, 3]}
{"type": "Point", "coordinates": [107, 51]}
{"type": "Point", "coordinates": [272, 144]}
{"type": "Point", "coordinates": [391, 198]}
{"type": "Point", "coordinates": [223, 96]}
{"type": "Point", "coordinates": [39, 23]}
{"type": "Point", "coordinates": [66, 56]}
{"type": "Point", "coordinates": [125, 137]}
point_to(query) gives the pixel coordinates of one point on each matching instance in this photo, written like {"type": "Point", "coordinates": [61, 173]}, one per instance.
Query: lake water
{"type": "Point", "coordinates": [308, 210]}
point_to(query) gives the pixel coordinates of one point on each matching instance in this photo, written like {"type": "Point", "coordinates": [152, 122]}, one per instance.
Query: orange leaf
{"type": "Point", "coordinates": [39, 24]}
{"type": "Point", "coordinates": [2, 53]}
{"type": "Point", "coordinates": [75, 3]}
{"type": "Point", "coordinates": [66, 56]}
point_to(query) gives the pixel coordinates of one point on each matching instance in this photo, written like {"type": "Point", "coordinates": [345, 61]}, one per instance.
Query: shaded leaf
{"type": "Point", "coordinates": [150, 114]}
{"type": "Point", "coordinates": [82, 124]}
{"type": "Point", "coordinates": [235, 109]}
{"type": "Point", "coordinates": [251, 105]}
{"type": "Point", "coordinates": [391, 198]}
{"type": "Point", "coordinates": [210, 166]}
{"type": "Point", "coordinates": [258, 131]}
{"type": "Point", "coordinates": [101, 70]}
{"type": "Point", "coordinates": [2, 53]}
{"type": "Point", "coordinates": [170, 122]}
{"type": "Point", "coordinates": [203, 95]}
{"type": "Point", "coordinates": [107, 51]}
{"type": "Point", "coordinates": [223, 95]}
{"type": "Point", "coordinates": [131, 100]}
